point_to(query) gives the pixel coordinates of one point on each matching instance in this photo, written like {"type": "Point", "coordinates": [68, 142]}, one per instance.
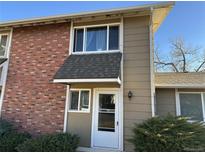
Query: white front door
{"type": "Point", "coordinates": [106, 119]}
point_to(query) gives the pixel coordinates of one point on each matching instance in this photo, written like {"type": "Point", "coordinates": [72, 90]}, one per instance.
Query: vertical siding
{"type": "Point", "coordinates": [165, 102]}
{"type": "Point", "coordinates": [136, 74]}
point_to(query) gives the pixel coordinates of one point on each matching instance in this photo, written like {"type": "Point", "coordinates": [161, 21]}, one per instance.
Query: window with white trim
{"type": "Point", "coordinates": [96, 39]}
{"type": "Point", "coordinates": [4, 41]}
{"type": "Point", "coordinates": [192, 105]}
{"type": "Point", "coordinates": [3, 44]}
{"type": "Point", "coordinates": [80, 100]}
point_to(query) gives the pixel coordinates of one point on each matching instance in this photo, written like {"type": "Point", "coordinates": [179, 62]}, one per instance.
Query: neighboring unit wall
{"type": "Point", "coordinates": [32, 102]}
{"type": "Point", "coordinates": [136, 74]}
{"type": "Point", "coordinates": [165, 101]}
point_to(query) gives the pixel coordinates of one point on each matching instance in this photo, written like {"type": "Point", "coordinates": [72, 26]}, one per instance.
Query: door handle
{"type": "Point", "coordinates": [117, 123]}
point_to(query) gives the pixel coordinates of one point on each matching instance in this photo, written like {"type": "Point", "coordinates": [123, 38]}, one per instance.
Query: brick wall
{"type": "Point", "coordinates": [31, 101]}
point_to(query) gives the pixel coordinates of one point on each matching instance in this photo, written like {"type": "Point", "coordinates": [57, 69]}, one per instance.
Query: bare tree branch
{"type": "Point", "coordinates": [183, 58]}
{"type": "Point", "coordinates": [200, 66]}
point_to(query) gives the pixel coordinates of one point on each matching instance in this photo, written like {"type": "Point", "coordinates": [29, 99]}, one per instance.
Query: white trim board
{"type": "Point", "coordinates": [66, 107]}
{"type": "Point", "coordinates": [5, 70]}
{"type": "Point", "coordinates": [117, 80]}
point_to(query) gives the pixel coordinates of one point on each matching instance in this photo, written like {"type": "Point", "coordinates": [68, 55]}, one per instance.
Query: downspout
{"type": "Point", "coordinates": [151, 37]}
{"type": "Point", "coordinates": [66, 108]}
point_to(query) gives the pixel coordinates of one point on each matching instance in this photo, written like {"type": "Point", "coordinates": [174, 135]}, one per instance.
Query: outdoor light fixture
{"type": "Point", "coordinates": [129, 94]}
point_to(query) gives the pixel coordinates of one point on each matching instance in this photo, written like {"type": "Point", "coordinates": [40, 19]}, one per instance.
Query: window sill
{"type": "Point", "coordinates": [72, 111]}
{"type": "Point", "coordinates": [95, 52]}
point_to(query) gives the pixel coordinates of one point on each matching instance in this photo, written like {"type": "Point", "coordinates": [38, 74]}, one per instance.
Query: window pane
{"type": "Point", "coordinates": [78, 43]}
{"type": "Point", "coordinates": [106, 101]}
{"type": "Point", "coordinates": [96, 39]}
{"type": "Point", "coordinates": [106, 122]}
{"type": "Point", "coordinates": [114, 38]}
{"type": "Point", "coordinates": [84, 100]}
{"type": "Point", "coordinates": [74, 100]}
{"type": "Point", "coordinates": [191, 106]}
{"type": "Point", "coordinates": [3, 45]}
{"type": "Point", "coordinates": [106, 119]}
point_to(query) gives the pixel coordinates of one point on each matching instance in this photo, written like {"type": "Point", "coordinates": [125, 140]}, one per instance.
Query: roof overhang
{"type": "Point", "coordinates": [90, 68]}
{"type": "Point", "coordinates": [159, 11]}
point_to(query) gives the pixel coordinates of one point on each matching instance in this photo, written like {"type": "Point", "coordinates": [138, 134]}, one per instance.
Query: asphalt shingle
{"type": "Point", "coordinates": [90, 66]}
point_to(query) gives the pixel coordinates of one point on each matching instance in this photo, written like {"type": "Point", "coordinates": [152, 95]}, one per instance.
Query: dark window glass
{"type": "Point", "coordinates": [96, 39]}
{"type": "Point", "coordinates": [106, 122]}
{"type": "Point", "coordinates": [78, 40]}
{"type": "Point", "coordinates": [3, 42]}
{"type": "Point", "coordinates": [74, 100]}
{"type": "Point", "coordinates": [106, 119]}
{"type": "Point", "coordinates": [191, 106]}
{"type": "Point", "coordinates": [114, 38]}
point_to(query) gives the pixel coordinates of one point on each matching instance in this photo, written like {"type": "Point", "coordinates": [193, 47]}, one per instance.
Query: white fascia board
{"type": "Point", "coordinates": [87, 80]}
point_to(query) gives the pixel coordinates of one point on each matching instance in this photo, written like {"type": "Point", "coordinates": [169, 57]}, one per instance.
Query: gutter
{"type": "Point", "coordinates": [64, 18]}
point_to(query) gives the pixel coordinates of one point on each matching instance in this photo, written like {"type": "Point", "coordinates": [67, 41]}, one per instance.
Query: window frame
{"type": "Point", "coordinates": [79, 95]}
{"type": "Point", "coordinates": [6, 55]}
{"type": "Point", "coordinates": [84, 38]}
{"type": "Point", "coordinates": [7, 44]}
{"type": "Point", "coordinates": [178, 104]}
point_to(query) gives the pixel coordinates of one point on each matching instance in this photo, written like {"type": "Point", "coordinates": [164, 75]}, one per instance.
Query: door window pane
{"type": "Point", "coordinates": [106, 122]}
{"type": "Point", "coordinates": [96, 39]}
{"type": "Point", "coordinates": [107, 102]}
{"type": "Point", "coordinates": [191, 106]}
{"type": "Point", "coordinates": [3, 42]}
{"type": "Point", "coordinates": [113, 37]}
{"type": "Point", "coordinates": [78, 43]}
{"type": "Point", "coordinates": [74, 100]}
{"type": "Point", "coordinates": [84, 100]}
{"type": "Point", "coordinates": [106, 116]}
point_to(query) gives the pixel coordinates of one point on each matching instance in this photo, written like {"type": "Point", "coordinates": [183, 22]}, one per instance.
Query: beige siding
{"type": "Point", "coordinates": [165, 102]}
{"type": "Point", "coordinates": [80, 124]}
{"type": "Point", "coordinates": [136, 74]}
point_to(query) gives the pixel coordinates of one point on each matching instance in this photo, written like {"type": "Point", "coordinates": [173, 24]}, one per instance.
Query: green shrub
{"type": "Point", "coordinates": [9, 137]}
{"type": "Point", "coordinates": [10, 141]}
{"type": "Point", "coordinates": [61, 142]}
{"type": "Point", "coordinates": [5, 127]}
{"type": "Point", "coordinates": [169, 134]}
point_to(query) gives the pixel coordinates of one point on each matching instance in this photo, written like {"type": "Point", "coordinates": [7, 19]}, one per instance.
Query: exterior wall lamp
{"type": "Point", "coordinates": [129, 94]}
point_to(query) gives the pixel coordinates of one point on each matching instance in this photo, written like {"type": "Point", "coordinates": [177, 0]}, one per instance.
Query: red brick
{"type": "Point", "coordinates": [31, 101]}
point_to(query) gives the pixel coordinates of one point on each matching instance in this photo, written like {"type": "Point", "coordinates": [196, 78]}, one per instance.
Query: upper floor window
{"type": "Point", "coordinates": [96, 39]}
{"type": "Point", "coordinates": [3, 44]}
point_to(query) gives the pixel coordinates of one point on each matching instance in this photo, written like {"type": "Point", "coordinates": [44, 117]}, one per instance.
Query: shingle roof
{"type": "Point", "coordinates": [194, 79]}
{"type": "Point", "coordinates": [90, 66]}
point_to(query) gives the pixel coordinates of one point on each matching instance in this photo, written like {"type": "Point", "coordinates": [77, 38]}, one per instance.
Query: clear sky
{"type": "Point", "coordinates": [187, 19]}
